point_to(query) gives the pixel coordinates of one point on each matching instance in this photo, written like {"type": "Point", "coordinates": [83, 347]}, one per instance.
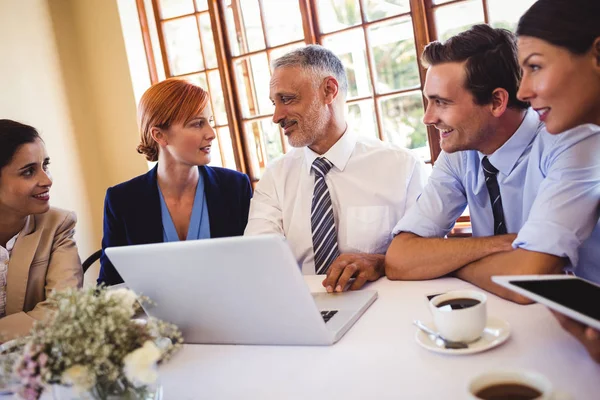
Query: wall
{"type": "Point", "coordinates": [64, 70]}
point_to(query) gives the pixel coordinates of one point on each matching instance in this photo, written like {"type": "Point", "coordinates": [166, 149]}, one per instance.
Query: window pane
{"type": "Point", "coordinates": [272, 139]}
{"type": "Point", "coordinates": [395, 56]}
{"type": "Point", "coordinates": [252, 26]}
{"type": "Point", "coordinates": [264, 143]}
{"type": "Point", "coordinates": [261, 76]}
{"type": "Point", "coordinates": [208, 42]}
{"type": "Point", "coordinates": [216, 94]}
{"type": "Point", "coordinates": [455, 18]}
{"type": "Point", "coordinates": [338, 14]}
{"type": "Point", "coordinates": [506, 13]}
{"type": "Point", "coordinates": [226, 147]}
{"type": "Point", "coordinates": [281, 29]}
{"type": "Point", "coordinates": [253, 77]}
{"type": "Point", "coordinates": [402, 117]}
{"type": "Point", "coordinates": [232, 32]}
{"type": "Point", "coordinates": [378, 9]}
{"type": "Point", "coordinates": [350, 48]}
{"type": "Point", "coordinates": [174, 8]}
{"type": "Point", "coordinates": [183, 46]}
{"type": "Point", "coordinates": [201, 5]}
{"type": "Point", "coordinates": [215, 153]}
{"type": "Point", "coordinates": [198, 79]}
{"type": "Point", "coordinates": [244, 27]}
{"type": "Point", "coordinates": [441, 1]}
{"type": "Point", "coordinates": [361, 118]}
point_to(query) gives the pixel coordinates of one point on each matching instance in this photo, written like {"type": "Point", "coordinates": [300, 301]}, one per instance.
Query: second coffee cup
{"type": "Point", "coordinates": [460, 315]}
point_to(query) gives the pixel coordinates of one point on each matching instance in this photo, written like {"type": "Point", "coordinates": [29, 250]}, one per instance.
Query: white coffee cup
{"type": "Point", "coordinates": [463, 325]}
{"type": "Point", "coordinates": [527, 378]}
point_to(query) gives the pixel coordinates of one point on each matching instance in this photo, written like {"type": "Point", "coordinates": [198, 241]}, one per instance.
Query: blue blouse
{"type": "Point", "coordinates": [199, 227]}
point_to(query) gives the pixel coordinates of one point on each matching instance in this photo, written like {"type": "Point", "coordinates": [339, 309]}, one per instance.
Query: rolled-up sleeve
{"type": "Point", "coordinates": [441, 203]}
{"type": "Point", "coordinates": [567, 206]}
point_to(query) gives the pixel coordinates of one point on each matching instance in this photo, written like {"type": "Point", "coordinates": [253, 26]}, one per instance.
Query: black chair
{"type": "Point", "coordinates": [91, 259]}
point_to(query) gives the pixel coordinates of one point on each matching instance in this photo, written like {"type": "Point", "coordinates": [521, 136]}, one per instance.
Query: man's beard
{"type": "Point", "coordinates": [312, 128]}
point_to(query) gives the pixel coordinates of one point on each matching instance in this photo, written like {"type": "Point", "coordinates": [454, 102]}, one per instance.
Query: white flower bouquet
{"type": "Point", "coordinates": [92, 344]}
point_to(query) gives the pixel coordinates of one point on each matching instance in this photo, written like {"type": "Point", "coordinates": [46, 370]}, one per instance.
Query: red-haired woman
{"type": "Point", "coordinates": [181, 198]}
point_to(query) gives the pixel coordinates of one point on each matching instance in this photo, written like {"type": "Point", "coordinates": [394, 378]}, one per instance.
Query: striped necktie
{"type": "Point", "coordinates": [491, 181]}
{"type": "Point", "coordinates": [324, 233]}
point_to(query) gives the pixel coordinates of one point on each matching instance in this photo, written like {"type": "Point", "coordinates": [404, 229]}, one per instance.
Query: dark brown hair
{"type": "Point", "coordinates": [491, 61]}
{"type": "Point", "coordinates": [13, 135]}
{"type": "Point", "coordinates": [572, 24]}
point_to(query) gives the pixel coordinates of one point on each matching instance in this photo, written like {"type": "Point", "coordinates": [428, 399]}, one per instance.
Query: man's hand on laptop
{"type": "Point", "coordinates": [362, 267]}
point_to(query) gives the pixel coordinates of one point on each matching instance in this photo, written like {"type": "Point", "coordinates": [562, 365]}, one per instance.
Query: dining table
{"type": "Point", "coordinates": [380, 358]}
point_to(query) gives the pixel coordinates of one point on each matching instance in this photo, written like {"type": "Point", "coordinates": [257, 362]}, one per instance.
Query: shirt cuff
{"type": "Point", "coordinates": [419, 225]}
{"type": "Point", "coordinates": [549, 238]}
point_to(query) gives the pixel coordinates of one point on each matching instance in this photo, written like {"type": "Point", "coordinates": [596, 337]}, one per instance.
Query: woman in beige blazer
{"type": "Point", "coordinates": [37, 250]}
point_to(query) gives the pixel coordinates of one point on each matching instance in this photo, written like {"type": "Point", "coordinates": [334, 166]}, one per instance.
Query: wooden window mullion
{"type": "Point", "coordinates": [486, 11]}
{"type": "Point", "coordinates": [370, 61]}
{"type": "Point", "coordinates": [310, 23]}
{"type": "Point", "coordinates": [161, 38]}
{"type": "Point", "coordinates": [230, 95]}
{"type": "Point", "coordinates": [141, 9]}
{"type": "Point", "coordinates": [424, 31]}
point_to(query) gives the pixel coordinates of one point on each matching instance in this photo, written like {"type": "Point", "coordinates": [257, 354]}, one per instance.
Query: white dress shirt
{"type": "Point", "coordinates": [372, 184]}
{"type": "Point", "coordinates": [4, 258]}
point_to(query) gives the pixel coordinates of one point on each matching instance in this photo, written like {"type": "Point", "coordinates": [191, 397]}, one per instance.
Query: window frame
{"type": "Point", "coordinates": [424, 31]}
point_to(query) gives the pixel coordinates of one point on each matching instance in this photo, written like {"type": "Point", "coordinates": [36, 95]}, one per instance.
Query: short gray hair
{"type": "Point", "coordinates": [318, 60]}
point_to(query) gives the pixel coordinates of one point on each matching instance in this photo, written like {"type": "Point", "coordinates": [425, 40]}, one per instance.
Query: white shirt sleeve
{"type": "Point", "coordinates": [441, 203]}
{"type": "Point", "coordinates": [416, 184]}
{"type": "Point", "coordinates": [266, 215]}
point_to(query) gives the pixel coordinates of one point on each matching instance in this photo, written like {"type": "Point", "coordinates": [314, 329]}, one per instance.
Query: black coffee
{"type": "Point", "coordinates": [457, 304]}
{"type": "Point", "coordinates": [508, 391]}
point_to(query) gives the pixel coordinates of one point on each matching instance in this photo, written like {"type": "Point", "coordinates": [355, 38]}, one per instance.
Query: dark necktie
{"type": "Point", "coordinates": [491, 181]}
{"type": "Point", "coordinates": [324, 233]}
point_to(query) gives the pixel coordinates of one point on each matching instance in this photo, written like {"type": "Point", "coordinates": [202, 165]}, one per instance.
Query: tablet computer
{"type": "Point", "coordinates": [569, 295]}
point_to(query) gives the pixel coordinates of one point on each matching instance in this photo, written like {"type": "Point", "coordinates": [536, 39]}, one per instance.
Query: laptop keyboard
{"type": "Point", "coordinates": [327, 315]}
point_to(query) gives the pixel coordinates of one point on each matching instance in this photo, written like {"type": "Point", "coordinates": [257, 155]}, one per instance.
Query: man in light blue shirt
{"type": "Point", "coordinates": [534, 207]}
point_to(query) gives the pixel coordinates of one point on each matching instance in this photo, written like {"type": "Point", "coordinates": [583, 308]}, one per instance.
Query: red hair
{"type": "Point", "coordinates": [164, 104]}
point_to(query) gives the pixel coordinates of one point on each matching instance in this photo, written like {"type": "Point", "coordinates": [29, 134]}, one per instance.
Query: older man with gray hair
{"type": "Point", "coordinates": [337, 195]}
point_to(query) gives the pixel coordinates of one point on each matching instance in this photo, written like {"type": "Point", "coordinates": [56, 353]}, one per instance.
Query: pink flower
{"type": "Point", "coordinates": [31, 367]}
{"type": "Point", "coordinates": [23, 373]}
{"type": "Point", "coordinates": [30, 393]}
{"type": "Point", "coordinates": [42, 359]}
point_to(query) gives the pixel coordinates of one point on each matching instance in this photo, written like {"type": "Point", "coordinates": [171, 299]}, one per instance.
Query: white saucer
{"type": "Point", "coordinates": [495, 333]}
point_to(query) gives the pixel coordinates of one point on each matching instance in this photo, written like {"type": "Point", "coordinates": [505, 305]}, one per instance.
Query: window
{"type": "Point", "coordinates": [226, 46]}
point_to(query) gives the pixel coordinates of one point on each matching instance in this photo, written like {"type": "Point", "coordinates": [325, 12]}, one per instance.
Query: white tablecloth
{"type": "Point", "coordinates": [380, 359]}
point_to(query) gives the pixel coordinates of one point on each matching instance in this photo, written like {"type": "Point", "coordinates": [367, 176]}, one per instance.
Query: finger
{"type": "Point", "coordinates": [574, 328]}
{"type": "Point", "coordinates": [333, 274]}
{"type": "Point", "coordinates": [348, 273]}
{"type": "Point", "coordinates": [592, 335]}
{"type": "Point", "coordinates": [359, 282]}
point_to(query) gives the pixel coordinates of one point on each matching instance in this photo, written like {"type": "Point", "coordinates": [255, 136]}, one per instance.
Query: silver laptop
{"type": "Point", "coordinates": [239, 290]}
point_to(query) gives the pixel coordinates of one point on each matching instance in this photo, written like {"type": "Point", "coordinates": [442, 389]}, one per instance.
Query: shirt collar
{"type": "Point", "coordinates": [10, 244]}
{"type": "Point", "coordinates": [507, 156]}
{"type": "Point", "coordinates": [338, 154]}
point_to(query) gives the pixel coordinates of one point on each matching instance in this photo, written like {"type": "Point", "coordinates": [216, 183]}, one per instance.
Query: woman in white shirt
{"type": "Point", "coordinates": [37, 250]}
{"type": "Point", "coordinates": [559, 51]}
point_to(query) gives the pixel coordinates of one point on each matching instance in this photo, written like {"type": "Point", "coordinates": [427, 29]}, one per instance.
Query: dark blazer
{"type": "Point", "coordinates": [132, 213]}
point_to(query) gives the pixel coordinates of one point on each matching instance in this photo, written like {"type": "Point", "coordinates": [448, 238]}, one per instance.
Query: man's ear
{"type": "Point", "coordinates": [596, 52]}
{"type": "Point", "coordinates": [331, 87]}
{"type": "Point", "coordinates": [159, 136]}
{"type": "Point", "coordinates": [499, 103]}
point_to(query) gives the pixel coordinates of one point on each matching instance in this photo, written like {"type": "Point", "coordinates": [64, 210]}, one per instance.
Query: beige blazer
{"type": "Point", "coordinates": [43, 258]}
